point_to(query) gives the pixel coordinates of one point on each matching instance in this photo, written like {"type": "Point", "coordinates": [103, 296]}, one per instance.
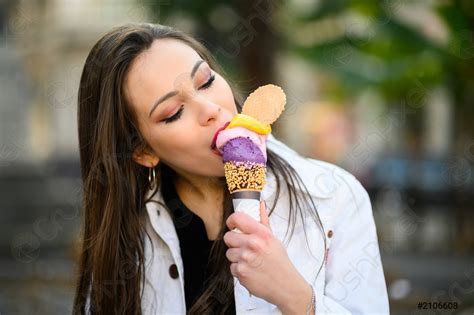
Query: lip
{"type": "Point", "coordinates": [213, 143]}
{"type": "Point", "coordinates": [216, 152]}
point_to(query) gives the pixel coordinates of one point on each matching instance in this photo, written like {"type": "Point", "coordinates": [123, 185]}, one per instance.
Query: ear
{"type": "Point", "coordinates": [145, 157]}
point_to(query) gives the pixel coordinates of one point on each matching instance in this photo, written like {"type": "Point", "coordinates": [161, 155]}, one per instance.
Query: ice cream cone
{"type": "Point", "coordinates": [243, 147]}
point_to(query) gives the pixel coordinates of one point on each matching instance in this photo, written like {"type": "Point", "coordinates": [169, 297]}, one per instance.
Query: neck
{"type": "Point", "coordinates": [204, 189]}
{"type": "Point", "coordinates": [202, 194]}
{"type": "Point", "coordinates": [204, 197]}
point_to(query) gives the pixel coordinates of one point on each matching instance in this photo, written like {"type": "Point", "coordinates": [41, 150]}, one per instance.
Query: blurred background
{"type": "Point", "coordinates": [384, 89]}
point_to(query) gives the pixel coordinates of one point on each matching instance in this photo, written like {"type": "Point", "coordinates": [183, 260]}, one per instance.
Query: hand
{"type": "Point", "coordinates": [259, 260]}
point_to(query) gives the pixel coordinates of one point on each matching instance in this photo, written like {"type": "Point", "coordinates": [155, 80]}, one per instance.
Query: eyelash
{"type": "Point", "coordinates": [180, 111]}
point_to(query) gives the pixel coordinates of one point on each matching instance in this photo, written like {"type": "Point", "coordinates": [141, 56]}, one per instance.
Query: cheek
{"type": "Point", "coordinates": [173, 140]}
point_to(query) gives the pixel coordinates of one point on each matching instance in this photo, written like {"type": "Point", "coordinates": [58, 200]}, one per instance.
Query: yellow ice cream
{"type": "Point", "coordinates": [251, 123]}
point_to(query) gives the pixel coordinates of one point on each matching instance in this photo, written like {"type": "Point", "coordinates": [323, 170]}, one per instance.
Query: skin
{"type": "Point", "coordinates": [257, 257]}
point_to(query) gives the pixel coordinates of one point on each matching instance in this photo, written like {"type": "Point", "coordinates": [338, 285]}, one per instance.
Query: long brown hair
{"type": "Point", "coordinates": [111, 266]}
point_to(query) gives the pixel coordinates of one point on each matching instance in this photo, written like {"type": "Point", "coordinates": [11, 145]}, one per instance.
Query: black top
{"type": "Point", "coordinates": [194, 243]}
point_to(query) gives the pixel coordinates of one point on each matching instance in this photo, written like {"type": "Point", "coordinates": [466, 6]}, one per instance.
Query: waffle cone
{"type": "Point", "coordinates": [265, 103]}
{"type": "Point", "coordinates": [242, 176]}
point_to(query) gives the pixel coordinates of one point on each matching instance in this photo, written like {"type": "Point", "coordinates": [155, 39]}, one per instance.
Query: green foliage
{"type": "Point", "coordinates": [379, 50]}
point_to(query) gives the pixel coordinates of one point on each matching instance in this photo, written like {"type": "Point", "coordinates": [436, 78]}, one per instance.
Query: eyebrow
{"type": "Point", "coordinates": [173, 93]}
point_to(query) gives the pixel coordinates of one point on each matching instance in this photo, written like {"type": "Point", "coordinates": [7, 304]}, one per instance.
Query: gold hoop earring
{"type": "Point", "coordinates": [151, 178]}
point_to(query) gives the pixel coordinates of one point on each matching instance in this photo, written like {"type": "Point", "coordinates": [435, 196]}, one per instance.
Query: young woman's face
{"type": "Point", "coordinates": [180, 103]}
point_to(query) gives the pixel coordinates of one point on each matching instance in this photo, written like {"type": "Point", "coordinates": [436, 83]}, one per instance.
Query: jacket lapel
{"type": "Point", "coordinates": [162, 223]}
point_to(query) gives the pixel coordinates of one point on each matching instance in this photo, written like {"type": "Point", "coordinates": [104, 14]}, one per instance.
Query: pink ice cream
{"type": "Point", "coordinates": [227, 134]}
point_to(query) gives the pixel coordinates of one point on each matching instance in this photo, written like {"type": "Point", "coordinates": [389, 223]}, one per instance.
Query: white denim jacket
{"type": "Point", "coordinates": [351, 280]}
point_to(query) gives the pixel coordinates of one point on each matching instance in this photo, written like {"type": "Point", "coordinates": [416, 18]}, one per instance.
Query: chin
{"type": "Point", "coordinates": [218, 171]}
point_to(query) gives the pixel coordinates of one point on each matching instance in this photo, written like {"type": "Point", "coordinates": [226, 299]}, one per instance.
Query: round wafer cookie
{"type": "Point", "coordinates": [266, 103]}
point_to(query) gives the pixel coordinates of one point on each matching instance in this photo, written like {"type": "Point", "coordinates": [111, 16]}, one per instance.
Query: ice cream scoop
{"type": "Point", "coordinates": [228, 134]}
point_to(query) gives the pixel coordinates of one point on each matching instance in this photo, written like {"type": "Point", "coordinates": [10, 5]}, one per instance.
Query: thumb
{"type": "Point", "coordinates": [263, 214]}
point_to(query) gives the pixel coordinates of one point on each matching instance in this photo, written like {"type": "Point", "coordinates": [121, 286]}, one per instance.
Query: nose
{"type": "Point", "coordinates": [209, 111]}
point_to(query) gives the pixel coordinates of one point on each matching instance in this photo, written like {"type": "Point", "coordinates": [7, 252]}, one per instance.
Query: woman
{"type": "Point", "coordinates": [158, 224]}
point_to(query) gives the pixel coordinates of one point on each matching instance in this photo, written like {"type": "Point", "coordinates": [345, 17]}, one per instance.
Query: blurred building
{"type": "Point", "coordinates": [43, 46]}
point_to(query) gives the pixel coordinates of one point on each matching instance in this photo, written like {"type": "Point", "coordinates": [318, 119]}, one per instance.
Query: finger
{"type": "Point", "coordinates": [263, 215]}
{"type": "Point", "coordinates": [234, 269]}
{"type": "Point", "coordinates": [233, 254]}
{"type": "Point", "coordinates": [249, 257]}
{"type": "Point", "coordinates": [241, 241]}
{"type": "Point", "coordinates": [234, 239]}
{"type": "Point", "coordinates": [244, 223]}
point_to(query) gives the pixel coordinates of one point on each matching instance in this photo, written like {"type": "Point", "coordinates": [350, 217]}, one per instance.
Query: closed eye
{"type": "Point", "coordinates": [208, 83]}
{"type": "Point", "coordinates": [175, 116]}
{"type": "Point", "coordinates": [180, 111]}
